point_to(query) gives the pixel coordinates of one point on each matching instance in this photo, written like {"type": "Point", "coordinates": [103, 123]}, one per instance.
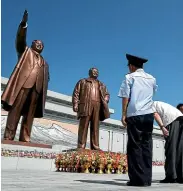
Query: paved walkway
{"type": "Point", "coordinates": [20, 180]}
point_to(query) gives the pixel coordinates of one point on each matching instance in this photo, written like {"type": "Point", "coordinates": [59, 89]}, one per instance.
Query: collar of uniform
{"type": "Point", "coordinates": [139, 70]}
{"type": "Point", "coordinates": [91, 80]}
{"type": "Point", "coordinates": [36, 53]}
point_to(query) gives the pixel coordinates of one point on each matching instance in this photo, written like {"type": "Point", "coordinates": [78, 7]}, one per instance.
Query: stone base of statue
{"type": "Point", "coordinates": [27, 144]}
{"type": "Point", "coordinates": [91, 161]}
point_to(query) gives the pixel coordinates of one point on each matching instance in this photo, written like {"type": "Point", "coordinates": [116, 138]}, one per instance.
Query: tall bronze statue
{"type": "Point", "coordinates": [25, 93]}
{"type": "Point", "coordinates": [90, 101]}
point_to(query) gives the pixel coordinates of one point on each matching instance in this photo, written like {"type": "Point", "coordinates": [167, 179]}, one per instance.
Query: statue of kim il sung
{"type": "Point", "coordinates": [26, 90]}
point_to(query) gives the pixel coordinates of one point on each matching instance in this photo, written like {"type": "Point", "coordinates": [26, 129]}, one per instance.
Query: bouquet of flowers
{"type": "Point", "coordinates": [91, 161]}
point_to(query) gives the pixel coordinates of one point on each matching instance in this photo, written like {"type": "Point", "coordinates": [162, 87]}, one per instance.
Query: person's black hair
{"type": "Point", "coordinates": [179, 105]}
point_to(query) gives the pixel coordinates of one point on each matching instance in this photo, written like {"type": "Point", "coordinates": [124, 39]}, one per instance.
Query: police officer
{"type": "Point", "coordinates": [136, 92]}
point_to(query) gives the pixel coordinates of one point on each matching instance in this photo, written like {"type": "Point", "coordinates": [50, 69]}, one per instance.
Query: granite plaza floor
{"type": "Point", "coordinates": [20, 180]}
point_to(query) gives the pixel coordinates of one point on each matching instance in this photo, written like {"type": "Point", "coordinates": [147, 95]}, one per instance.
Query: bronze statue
{"type": "Point", "coordinates": [90, 101]}
{"type": "Point", "coordinates": [25, 93]}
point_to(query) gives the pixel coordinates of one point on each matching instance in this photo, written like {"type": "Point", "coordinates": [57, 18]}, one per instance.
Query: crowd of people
{"type": "Point", "coordinates": [27, 154]}
{"type": "Point", "coordinates": [158, 163]}
{"type": "Point", "coordinates": [138, 114]}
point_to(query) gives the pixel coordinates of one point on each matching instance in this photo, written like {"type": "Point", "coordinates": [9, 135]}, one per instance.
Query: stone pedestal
{"type": "Point", "coordinates": [26, 144]}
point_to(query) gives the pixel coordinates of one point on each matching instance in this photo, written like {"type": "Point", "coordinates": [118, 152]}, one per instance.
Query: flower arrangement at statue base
{"type": "Point", "coordinates": [91, 161]}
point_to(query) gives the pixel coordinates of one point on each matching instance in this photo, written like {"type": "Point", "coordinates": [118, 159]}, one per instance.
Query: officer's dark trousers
{"type": "Point", "coordinates": [139, 148]}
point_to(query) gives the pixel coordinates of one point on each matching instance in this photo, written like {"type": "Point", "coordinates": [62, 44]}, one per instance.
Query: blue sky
{"type": "Point", "coordinates": [80, 34]}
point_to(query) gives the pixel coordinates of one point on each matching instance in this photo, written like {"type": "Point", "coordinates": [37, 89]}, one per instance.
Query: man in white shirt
{"type": "Point", "coordinates": [170, 120]}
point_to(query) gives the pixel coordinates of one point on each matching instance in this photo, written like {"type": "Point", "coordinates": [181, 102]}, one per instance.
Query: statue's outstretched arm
{"type": "Point", "coordinates": [20, 42]}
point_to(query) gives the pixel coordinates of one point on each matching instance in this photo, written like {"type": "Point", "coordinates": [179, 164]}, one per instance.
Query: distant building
{"type": "Point", "coordinates": [59, 127]}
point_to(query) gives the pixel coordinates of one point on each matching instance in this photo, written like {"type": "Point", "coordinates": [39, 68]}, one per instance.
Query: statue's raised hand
{"type": "Point", "coordinates": [25, 17]}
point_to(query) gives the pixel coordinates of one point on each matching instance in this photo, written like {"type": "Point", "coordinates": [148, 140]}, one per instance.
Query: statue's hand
{"type": "Point", "coordinates": [25, 17]}
{"type": "Point", "coordinates": [75, 108]}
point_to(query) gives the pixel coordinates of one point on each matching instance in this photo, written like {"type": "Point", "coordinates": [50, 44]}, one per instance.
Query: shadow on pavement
{"type": "Point", "coordinates": [103, 182]}
{"type": "Point", "coordinates": [110, 182]}
{"type": "Point", "coordinates": [153, 181]}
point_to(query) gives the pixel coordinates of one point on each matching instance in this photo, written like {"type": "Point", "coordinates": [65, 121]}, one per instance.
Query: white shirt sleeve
{"type": "Point", "coordinates": [125, 88]}
{"type": "Point", "coordinates": [154, 108]}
